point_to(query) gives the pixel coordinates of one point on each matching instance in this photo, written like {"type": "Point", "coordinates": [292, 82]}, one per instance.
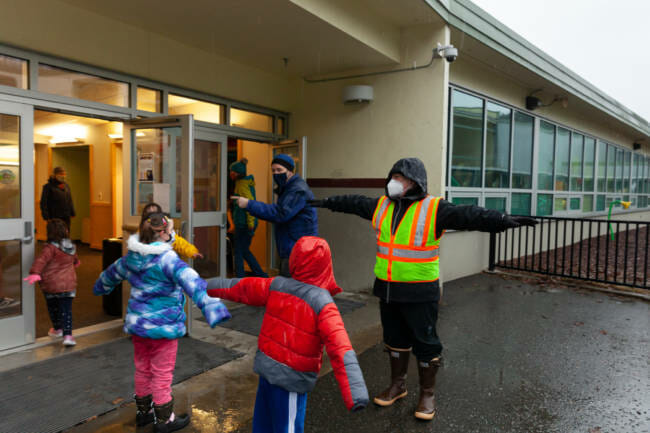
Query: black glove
{"type": "Point", "coordinates": [517, 221]}
{"type": "Point", "coordinates": [316, 203]}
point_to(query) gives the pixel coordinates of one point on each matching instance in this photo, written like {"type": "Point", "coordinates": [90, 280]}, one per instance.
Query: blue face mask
{"type": "Point", "coordinates": [280, 179]}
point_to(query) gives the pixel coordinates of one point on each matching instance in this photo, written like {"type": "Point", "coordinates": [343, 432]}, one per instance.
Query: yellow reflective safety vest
{"type": "Point", "coordinates": [409, 255]}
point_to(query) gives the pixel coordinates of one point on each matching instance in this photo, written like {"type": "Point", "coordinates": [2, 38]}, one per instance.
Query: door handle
{"type": "Point", "coordinates": [224, 220]}
{"type": "Point", "coordinates": [183, 227]}
{"type": "Point", "coordinates": [28, 237]}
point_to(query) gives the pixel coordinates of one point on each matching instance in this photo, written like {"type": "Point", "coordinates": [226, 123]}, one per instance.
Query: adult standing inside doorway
{"type": "Point", "coordinates": [56, 198]}
{"type": "Point", "coordinates": [292, 216]}
{"type": "Point", "coordinates": [409, 224]}
{"type": "Point", "coordinates": [245, 223]}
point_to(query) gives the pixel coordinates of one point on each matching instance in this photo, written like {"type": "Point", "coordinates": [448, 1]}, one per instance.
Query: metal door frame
{"type": "Point", "coordinates": [21, 330]}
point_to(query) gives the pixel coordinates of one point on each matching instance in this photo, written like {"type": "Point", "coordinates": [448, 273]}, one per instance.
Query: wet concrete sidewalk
{"type": "Point", "coordinates": [519, 357]}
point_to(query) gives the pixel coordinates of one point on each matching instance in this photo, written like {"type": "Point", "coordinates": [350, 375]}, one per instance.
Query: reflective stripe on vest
{"type": "Point", "coordinates": [411, 253]}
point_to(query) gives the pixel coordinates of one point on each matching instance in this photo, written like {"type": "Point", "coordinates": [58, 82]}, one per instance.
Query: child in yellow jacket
{"type": "Point", "coordinates": [179, 244]}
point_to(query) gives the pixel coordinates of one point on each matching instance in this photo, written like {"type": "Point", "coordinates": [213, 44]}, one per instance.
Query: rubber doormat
{"type": "Point", "coordinates": [56, 394]}
{"type": "Point", "coordinates": [248, 319]}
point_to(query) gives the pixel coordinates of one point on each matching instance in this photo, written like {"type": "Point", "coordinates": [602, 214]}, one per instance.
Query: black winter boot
{"type": "Point", "coordinates": [399, 364]}
{"type": "Point", "coordinates": [144, 415]}
{"type": "Point", "coordinates": [426, 409]}
{"type": "Point", "coordinates": [163, 413]}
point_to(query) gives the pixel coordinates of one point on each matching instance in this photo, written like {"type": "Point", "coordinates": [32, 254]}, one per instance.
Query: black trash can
{"type": "Point", "coordinates": [111, 251]}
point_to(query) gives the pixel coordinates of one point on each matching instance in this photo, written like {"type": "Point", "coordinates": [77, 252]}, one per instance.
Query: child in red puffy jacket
{"type": "Point", "coordinates": [300, 318]}
{"type": "Point", "coordinates": [55, 269]}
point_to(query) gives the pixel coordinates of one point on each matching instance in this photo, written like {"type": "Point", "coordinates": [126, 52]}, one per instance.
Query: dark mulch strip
{"type": "Point", "coordinates": [623, 260]}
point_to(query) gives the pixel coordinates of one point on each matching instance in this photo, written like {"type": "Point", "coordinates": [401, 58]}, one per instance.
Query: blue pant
{"type": "Point", "coordinates": [243, 238]}
{"type": "Point", "coordinates": [278, 410]}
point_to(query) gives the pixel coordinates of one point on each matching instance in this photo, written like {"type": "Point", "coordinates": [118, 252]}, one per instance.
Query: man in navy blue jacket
{"type": "Point", "coordinates": [291, 214]}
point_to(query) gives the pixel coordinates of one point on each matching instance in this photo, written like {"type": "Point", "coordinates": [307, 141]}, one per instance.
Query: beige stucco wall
{"type": "Point", "coordinates": [406, 118]}
{"type": "Point", "coordinates": [60, 29]}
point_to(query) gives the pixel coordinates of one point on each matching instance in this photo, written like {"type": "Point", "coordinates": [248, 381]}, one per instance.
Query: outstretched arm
{"type": "Point", "coordinates": [111, 277]}
{"type": "Point", "coordinates": [251, 291]}
{"type": "Point", "coordinates": [470, 217]}
{"type": "Point", "coordinates": [186, 277]}
{"type": "Point", "coordinates": [354, 204]}
{"type": "Point", "coordinates": [342, 357]}
{"type": "Point", "coordinates": [286, 208]}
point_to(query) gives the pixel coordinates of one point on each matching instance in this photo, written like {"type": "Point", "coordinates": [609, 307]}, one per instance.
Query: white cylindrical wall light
{"type": "Point", "coordinates": [357, 94]}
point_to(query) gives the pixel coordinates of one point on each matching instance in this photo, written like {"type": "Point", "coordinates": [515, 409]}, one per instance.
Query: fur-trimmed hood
{"type": "Point", "coordinates": [156, 248]}
{"type": "Point", "coordinates": [66, 245]}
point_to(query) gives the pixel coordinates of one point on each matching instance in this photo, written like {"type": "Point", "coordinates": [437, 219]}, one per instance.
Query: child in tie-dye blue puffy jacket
{"type": "Point", "coordinates": [155, 316]}
{"type": "Point", "coordinates": [158, 277]}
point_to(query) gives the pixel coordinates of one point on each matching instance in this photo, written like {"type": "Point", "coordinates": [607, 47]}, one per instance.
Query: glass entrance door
{"type": "Point", "coordinates": [16, 224]}
{"type": "Point", "coordinates": [169, 161]}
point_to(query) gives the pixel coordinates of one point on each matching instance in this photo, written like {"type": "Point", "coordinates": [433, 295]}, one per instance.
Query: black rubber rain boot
{"type": "Point", "coordinates": [163, 413]}
{"type": "Point", "coordinates": [399, 364]}
{"type": "Point", "coordinates": [144, 414]}
{"type": "Point", "coordinates": [426, 409]}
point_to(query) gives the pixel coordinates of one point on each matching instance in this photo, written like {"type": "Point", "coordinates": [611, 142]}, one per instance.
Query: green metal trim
{"type": "Point", "coordinates": [475, 22]}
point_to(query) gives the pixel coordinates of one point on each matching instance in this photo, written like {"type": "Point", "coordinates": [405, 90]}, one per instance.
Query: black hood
{"type": "Point", "coordinates": [411, 168]}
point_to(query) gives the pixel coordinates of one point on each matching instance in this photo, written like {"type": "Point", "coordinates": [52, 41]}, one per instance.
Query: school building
{"type": "Point", "coordinates": [152, 100]}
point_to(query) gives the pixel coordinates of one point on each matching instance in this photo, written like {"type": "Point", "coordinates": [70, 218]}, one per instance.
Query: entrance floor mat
{"type": "Point", "coordinates": [56, 394]}
{"type": "Point", "coordinates": [248, 319]}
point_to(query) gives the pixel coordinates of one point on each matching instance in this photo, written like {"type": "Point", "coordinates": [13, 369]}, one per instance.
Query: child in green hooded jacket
{"type": "Point", "coordinates": [245, 223]}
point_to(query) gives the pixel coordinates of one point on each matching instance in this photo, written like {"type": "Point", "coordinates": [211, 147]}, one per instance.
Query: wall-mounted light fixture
{"type": "Point", "coordinates": [533, 102]}
{"type": "Point", "coordinates": [636, 145]}
{"type": "Point", "coordinates": [357, 94]}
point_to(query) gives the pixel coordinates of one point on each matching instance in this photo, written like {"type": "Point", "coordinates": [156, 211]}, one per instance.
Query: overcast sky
{"type": "Point", "coordinates": [606, 42]}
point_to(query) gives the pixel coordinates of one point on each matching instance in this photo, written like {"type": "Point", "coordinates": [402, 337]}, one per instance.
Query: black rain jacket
{"type": "Point", "coordinates": [56, 201]}
{"type": "Point", "coordinates": [448, 217]}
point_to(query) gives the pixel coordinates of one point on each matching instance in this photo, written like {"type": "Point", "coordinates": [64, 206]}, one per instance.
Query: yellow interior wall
{"type": "Point", "coordinates": [90, 38]}
{"type": "Point", "coordinates": [406, 118]}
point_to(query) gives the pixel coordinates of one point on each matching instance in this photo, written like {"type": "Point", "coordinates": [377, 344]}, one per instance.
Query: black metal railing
{"type": "Point", "coordinates": [577, 248]}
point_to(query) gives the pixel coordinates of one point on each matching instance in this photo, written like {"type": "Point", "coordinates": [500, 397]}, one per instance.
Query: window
{"type": "Point", "coordinates": [574, 203]}
{"type": "Point", "coordinates": [562, 160]}
{"type": "Point", "coordinates": [576, 162]}
{"type": "Point", "coordinates": [149, 100]}
{"type": "Point", "coordinates": [611, 166]}
{"type": "Point", "coordinates": [544, 204]}
{"type": "Point", "coordinates": [203, 111]}
{"type": "Point", "coordinates": [588, 203]}
{"type": "Point", "coordinates": [545, 156]}
{"type": "Point", "coordinates": [590, 158]}
{"type": "Point", "coordinates": [520, 203]}
{"type": "Point", "coordinates": [465, 200]}
{"type": "Point", "coordinates": [619, 170]}
{"type": "Point", "coordinates": [560, 204]}
{"type": "Point", "coordinates": [13, 72]}
{"type": "Point", "coordinates": [522, 161]}
{"type": "Point", "coordinates": [602, 166]}
{"type": "Point", "coordinates": [280, 126]}
{"type": "Point", "coordinates": [467, 136]}
{"type": "Point", "coordinates": [251, 120]}
{"type": "Point", "coordinates": [72, 84]}
{"type": "Point", "coordinates": [627, 162]}
{"type": "Point", "coordinates": [635, 174]}
{"type": "Point", "coordinates": [600, 203]}
{"type": "Point", "coordinates": [496, 203]}
{"type": "Point", "coordinates": [497, 147]}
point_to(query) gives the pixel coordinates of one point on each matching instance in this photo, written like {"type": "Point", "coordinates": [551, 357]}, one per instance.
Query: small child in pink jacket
{"type": "Point", "coordinates": [55, 269]}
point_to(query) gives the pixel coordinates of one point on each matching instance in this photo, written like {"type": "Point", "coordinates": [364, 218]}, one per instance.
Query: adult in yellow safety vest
{"type": "Point", "coordinates": [409, 224]}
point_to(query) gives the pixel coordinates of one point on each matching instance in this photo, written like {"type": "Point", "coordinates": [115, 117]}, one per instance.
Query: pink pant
{"type": "Point", "coordinates": [154, 367]}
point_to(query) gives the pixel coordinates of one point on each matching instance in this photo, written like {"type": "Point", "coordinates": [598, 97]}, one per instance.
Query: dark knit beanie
{"type": "Point", "coordinates": [239, 167]}
{"type": "Point", "coordinates": [285, 161]}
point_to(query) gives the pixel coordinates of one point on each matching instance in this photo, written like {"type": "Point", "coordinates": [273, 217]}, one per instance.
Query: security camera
{"type": "Point", "coordinates": [449, 52]}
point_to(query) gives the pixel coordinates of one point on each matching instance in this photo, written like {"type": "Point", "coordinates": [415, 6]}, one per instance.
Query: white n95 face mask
{"type": "Point", "coordinates": [395, 189]}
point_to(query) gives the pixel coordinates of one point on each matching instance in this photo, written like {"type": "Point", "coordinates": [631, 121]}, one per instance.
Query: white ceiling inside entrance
{"type": "Point", "coordinates": [260, 33]}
